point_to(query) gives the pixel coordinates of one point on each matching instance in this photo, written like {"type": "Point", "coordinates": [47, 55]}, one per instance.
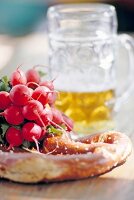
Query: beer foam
{"type": "Point", "coordinates": [74, 86]}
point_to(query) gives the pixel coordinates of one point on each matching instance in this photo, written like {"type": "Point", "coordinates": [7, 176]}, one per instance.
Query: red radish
{"type": "Point", "coordinates": [33, 76]}
{"type": "Point", "coordinates": [32, 132]}
{"type": "Point", "coordinates": [48, 84]}
{"type": "Point", "coordinates": [52, 116]}
{"type": "Point", "coordinates": [41, 94]}
{"type": "Point", "coordinates": [13, 137]}
{"type": "Point", "coordinates": [20, 95]}
{"type": "Point", "coordinates": [45, 117]}
{"type": "Point", "coordinates": [68, 122]}
{"type": "Point", "coordinates": [52, 98]}
{"type": "Point", "coordinates": [18, 77]}
{"type": "Point", "coordinates": [5, 101]}
{"type": "Point", "coordinates": [32, 110]}
{"type": "Point", "coordinates": [57, 116]}
{"type": "Point", "coordinates": [43, 133]}
{"type": "Point", "coordinates": [13, 115]}
{"type": "Point", "coordinates": [32, 85]}
{"type": "Point", "coordinates": [58, 120]}
{"type": "Point", "coordinates": [31, 91]}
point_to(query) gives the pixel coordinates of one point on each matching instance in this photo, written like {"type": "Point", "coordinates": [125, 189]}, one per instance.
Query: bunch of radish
{"type": "Point", "coordinates": [27, 110]}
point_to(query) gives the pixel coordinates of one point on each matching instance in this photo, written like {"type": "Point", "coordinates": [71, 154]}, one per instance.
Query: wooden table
{"type": "Point", "coordinates": [115, 185]}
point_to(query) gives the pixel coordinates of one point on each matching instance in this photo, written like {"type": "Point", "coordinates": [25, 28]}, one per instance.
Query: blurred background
{"type": "Point", "coordinates": [22, 17]}
{"type": "Point", "coordinates": [23, 28]}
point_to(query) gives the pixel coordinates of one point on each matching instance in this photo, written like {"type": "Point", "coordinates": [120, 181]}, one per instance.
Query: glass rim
{"type": "Point", "coordinates": [81, 7]}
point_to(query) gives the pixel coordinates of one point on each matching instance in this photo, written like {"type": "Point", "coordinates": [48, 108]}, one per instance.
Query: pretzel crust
{"type": "Point", "coordinates": [96, 155]}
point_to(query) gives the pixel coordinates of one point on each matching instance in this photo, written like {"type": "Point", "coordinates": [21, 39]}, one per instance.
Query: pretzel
{"type": "Point", "coordinates": [84, 157]}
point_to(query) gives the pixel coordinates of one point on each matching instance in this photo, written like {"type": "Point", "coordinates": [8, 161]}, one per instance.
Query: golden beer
{"type": "Point", "coordinates": [91, 111]}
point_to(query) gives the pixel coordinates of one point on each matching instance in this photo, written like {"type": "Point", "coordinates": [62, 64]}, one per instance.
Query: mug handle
{"type": "Point", "coordinates": [128, 42]}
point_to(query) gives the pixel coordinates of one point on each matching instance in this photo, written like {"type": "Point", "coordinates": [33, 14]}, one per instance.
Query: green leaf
{"type": "Point", "coordinates": [41, 73]}
{"type": "Point", "coordinates": [5, 79]}
{"type": "Point", "coordinates": [52, 129]}
{"type": "Point", "coordinates": [4, 128]}
{"type": "Point", "coordinates": [4, 84]}
{"type": "Point", "coordinates": [17, 127]}
{"type": "Point", "coordinates": [1, 140]}
{"type": "Point", "coordinates": [64, 126]}
{"type": "Point", "coordinates": [26, 144]}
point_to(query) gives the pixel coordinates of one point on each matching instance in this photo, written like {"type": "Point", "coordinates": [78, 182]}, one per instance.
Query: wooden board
{"type": "Point", "coordinates": [118, 184]}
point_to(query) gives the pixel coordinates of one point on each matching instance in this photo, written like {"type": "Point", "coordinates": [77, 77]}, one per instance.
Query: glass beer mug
{"type": "Point", "coordinates": [84, 48]}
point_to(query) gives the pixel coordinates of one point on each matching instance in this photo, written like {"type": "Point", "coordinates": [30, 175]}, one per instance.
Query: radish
{"type": "Point", "coordinates": [51, 117]}
{"type": "Point", "coordinates": [57, 116]}
{"type": "Point", "coordinates": [18, 77]}
{"type": "Point", "coordinates": [32, 132]}
{"type": "Point", "coordinates": [68, 122]}
{"type": "Point", "coordinates": [32, 110]}
{"type": "Point", "coordinates": [52, 98]}
{"type": "Point", "coordinates": [32, 85]}
{"type": "Point", "coordinates": [48, 84]}
{"type": "Point", "coordinates": [13, 137]}
{"type": "Point", "coordinates": [33, 76]}
{"type": "Point", "coordinates": [31, 91]}
{"type": "Point", "coordinates": [20, 95]}
{"type": "Point", "coordinates": [41, 94]}
{"type": "Point", "coordinates": [5, 101]}
{"type": "Point", "coordinates": [43, 133]}
{"type": "Point", "coordinates": [13, 115]}
{"type": "Point", "coordinates": [45, 117]}
{"type": "Point", "coordinates": [58, 120]}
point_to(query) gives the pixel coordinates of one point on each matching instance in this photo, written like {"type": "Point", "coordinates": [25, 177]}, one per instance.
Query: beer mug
{"type": "Point", "coordinates": [83, 54]}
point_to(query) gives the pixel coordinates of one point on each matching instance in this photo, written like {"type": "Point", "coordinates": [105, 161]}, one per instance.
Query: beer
{"type": "Point", "coordinates": [91, 111]}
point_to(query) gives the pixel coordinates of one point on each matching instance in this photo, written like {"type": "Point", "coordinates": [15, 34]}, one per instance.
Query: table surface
{"type": "Point", "coordinates": [117, 184]}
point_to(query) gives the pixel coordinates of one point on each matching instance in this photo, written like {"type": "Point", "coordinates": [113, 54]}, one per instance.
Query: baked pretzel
{"type": "Point", "coordinates": [73, 159]}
